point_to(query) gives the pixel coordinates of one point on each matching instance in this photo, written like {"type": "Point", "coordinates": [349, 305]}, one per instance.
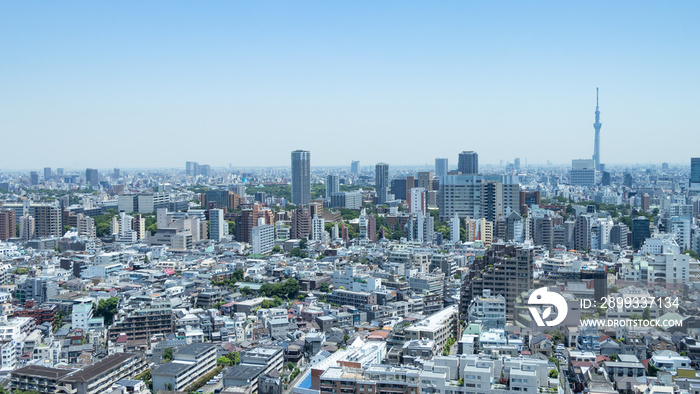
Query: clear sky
{"type": "Point", "coordinates": [155, 83]}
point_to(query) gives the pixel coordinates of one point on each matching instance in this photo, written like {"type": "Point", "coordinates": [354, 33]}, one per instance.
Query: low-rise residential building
{"type": "Point", "coordinates": [189, 364]}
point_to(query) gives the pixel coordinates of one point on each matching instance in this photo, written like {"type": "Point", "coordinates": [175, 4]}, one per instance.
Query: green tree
{"type": "Point", "coordinates": [324, 287]}
{"type": "Point", "coordinates": [296, 252]}
{"type": "Point", "coordinates": [646, 315]}
{"type": "Point", "coordinates": [303, 243]}
{"type": "Point", "coordinates": [692, 254]}
{"type": "Point", "coordinates": [555, 361]}
{"type": "Point", "coordinates": [223, 360]}
{"type": "Point", "coordinates": [235, 358]}
{"type": "Point", "coordinates": [168, 354]}
{"type": "Point", "coordinates": [107, 309]}
{"type": "Point", "coordinates": [231, 227]}
{"type": "Point", "coordinates": [246, 291]}
{"type": "Point", "coordinates": [276, 249]}
{"type": "Point", "coordinates": [21, 271]}
{"type": "Point", "coordinates": [652, 371]}
{"type": "Point", "coordinates": [553, 373]}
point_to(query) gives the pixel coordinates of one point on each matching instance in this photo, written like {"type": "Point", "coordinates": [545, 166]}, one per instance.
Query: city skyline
{"type": "Point", "coordinates": [503, 80]}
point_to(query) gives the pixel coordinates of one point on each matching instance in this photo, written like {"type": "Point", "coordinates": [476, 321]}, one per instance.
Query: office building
{"type": "Point", "coordinates": [222, 198]}
{"type": "Point", "coordinates": [468, 163]}
{"type": "Point", "coordinates": [641, 230]}
{"type": "Point", "coordinates": [441, 167]}
{"type": "Point", "coordinates": [381, 177]}
{"type": "Point", "coordinates": [355, 167]}
{"type": "Point", "coordinates": [695, 174]}
{"type": "Point", "coordinates": [477, 196]}
{"type": "Point", "coordinates": [301, 177]}
{"type": "Point", "coordinates": [218, 228]}
{"type": "Point", "coordinates": [332, 185]}
{"type": "Point", "coordinates": [398, 188]}
{"type": "Point", "coordinates": [349, 200]}
{"type": "Point", "coordinates": [582, 173]}
{"type": "Point", "coordinates": [48, 174]}
{"type": "Point", "coordinates": [91, 177]}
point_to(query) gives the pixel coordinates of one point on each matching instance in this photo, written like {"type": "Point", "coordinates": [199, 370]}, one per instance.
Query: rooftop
{"type": "Point", "coordinates": [243, 372]}
{"type": "Point", "coordinates": [41, 372]}
{"type": "Point", "coordinates": [94, 371]}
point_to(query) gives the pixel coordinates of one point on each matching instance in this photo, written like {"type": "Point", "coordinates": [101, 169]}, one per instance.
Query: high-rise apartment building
{"type": "Point", "coordinates": [91, 177]}
{"type": "Point", "coordinates": [417, 201]}
{"type": "Point", "coordinates": [355, 167]}
{"type": "Point", "coordinates": [8, 228]}
{"type": "Point", "coordinates": [217, 229]}
{"type": "Point", "coordinates": [381, 177]}
{"type": "Point", "coordinates": [301, 177]}
{"type": "Point", "coordinates": [468, 163]}
{"type": "Point", "coordinates": [441, 167]}
{"type": "Point", "coordinates": [263, 237]}
{"type": "Point", "coordinates": [695, 173]}
{"type": "Point", "coordinates": [33, 178]}
{"type": "Point", "coordinates": [301, 223]}
{"type": "Point", "coordinates": [425, 180]}
{"type": "Point", "coordinates": [506, 269]}
{"type": "Point", "coordinates": [318, 228]}
{"type": "Point", "coordinates": [368, 226]}
{"type": "Point", "coordinates": [332, 185]}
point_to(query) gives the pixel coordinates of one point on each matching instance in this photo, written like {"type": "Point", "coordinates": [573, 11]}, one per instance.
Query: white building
{"type": "Point", "coordinates": [679, 226]}
{"type": "Point", "coordinates": [318, 227]}
{"type": "Point", "coordinates": [181, 241]}
{"type": "Point", "coordinates": [217, 225]}
{"type": "Point", "coordinates": [488, 310]}
{"type": "Point", "coordinates": [263, 237]}
{"type": "Point", "coordinates": [417, 200]}
{"type": "Point", "coordinates": [354, 280]}
{"type": "Point", "coordinates": [80, 315]}
{"type": "Point", "coordinates": [454, 229]}
{"type": "Point", "coordinates": [669, 361]}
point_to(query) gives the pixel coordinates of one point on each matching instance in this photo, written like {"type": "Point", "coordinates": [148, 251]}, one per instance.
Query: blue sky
{"type": "Point", "coordinates": [141, 84]}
